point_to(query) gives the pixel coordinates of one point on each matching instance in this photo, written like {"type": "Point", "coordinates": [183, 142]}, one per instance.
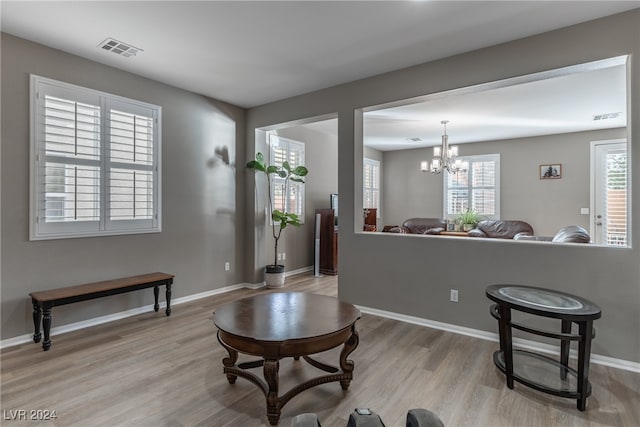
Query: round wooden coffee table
{"type": "Point", "coordinates": [276, 325]}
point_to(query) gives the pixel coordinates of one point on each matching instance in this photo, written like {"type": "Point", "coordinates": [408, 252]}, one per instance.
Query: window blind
{"type": "Point", "coordinates": [371, 185]}
{"type": "Point", "coordinates": [290, 199]}
{"type": "Point", "coordinates": [477, 188]}
{"type": "Point", "coordinates": [70, 173]}
{"type": "Point", "coordinates": [616, 198]}
{"type": "Point", "coordinates": [95, 162]}
{"type": "Point", "coordinates": [131, 182]}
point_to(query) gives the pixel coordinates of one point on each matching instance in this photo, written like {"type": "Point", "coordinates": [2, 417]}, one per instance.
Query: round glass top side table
{"type": "Point", "coordinates": [535, 370]}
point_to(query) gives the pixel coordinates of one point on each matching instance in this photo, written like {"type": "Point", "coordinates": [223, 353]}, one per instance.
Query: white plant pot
{"type": "Point", "coordinates": [274, 280]}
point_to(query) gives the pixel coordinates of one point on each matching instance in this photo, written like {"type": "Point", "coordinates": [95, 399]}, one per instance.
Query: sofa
{"type": "Point", "coordinates": [568, 234]}
{"type": "Point", "coordinates": [420, 226]}
{"type": "Point", "coordinates": [501, 229]}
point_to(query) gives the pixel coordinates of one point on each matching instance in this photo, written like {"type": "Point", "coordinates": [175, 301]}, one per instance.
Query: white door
{"type": "Point", "coordinates": [609, 200]}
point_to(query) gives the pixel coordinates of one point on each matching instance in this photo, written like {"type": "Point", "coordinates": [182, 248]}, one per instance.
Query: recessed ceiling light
{"type": "Point", "coordinates": [118, 47]}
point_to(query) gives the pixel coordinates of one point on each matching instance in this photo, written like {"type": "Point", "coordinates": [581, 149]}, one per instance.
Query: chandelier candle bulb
{"type": "Point", "coordinates": [424, 166]}
{"type": "Point", "coordinates": [436, 151]}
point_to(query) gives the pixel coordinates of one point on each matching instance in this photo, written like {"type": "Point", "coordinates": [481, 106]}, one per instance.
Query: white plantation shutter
{"type": "Point", "coordinates": [281, 150]}
{"type": "Point", "coordinates": [371, 185]}
{"type": "Point", "coordinates": [483, 187]}
{"type": "Point", "coordinates": [94, 161]}
{"type": "Point", "coordinates": [478, 188]}
{"type": "Point", "coordinates": [131, 172]}
{"type": "Point", "coordinates": [457, 193]}
{"type": "Point", "coordinates": [616, 198]}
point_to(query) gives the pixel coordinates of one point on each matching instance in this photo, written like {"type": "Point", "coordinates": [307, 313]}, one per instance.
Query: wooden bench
{"type": "Point", "coordinates": [43, 301]}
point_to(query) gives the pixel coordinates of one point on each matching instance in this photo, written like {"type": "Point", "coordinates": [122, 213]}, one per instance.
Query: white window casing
{"type": "Point", "coordinates": [95, 163]}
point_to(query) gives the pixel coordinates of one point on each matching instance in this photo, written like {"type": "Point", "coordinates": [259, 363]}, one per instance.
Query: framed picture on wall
{"type": "Point", "coordinates": [551, 171]}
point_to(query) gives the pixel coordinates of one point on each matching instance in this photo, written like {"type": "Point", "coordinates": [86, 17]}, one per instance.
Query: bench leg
{"type": "Point", "coordinates": [156, 292]}
{"type": "Point", "coordinates": [46, 325]}
{"type": "Point", "coordinates": [37, 317]}
{"type": "Point", "coordinates": [168, 297]}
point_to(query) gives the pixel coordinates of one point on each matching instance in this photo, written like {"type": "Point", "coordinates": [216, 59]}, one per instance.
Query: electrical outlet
{"type": "Point", "coordinates": [227, 266]}
{"type": "Point", "coordinates": [284, 256]}
{"type": "Point", "coordinates": [584, 211]}
{"type": "Point", "coordinates": [454, 295]}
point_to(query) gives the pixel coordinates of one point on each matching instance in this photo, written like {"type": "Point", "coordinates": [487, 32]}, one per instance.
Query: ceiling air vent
{"type": "Point", "coordinates": [123, 49]}
{"type": "Point", "coordinates": [414, 139]}
{"type": "Point", "coordinates": [606, 116]}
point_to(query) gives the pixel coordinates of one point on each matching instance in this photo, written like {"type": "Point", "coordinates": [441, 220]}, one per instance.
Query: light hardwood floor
{"type": "Point", "coordinates": [150, 370]}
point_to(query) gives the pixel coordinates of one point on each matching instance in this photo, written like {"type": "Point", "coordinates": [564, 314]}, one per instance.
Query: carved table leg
{"type": "Point", "coordinates": [156, 293]}
{"type": "Point", "coordinates": [46, 326]}
{"type": "Point", "coordinates": [348, 365]}
{"type": "Point", "coordinates": [168, 296]}
{"type": "Point", "coordinates": [229, 362]}
{"type": "Point", "coordinates": [270, 370]}
{"type": "Point", "coordinates": [37, 317]}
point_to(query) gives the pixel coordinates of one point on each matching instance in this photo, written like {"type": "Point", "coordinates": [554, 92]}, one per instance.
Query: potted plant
{"type": "Point", "coordinates": [274, 273]}
{"type": "Point", "coordinates": [469, 219]}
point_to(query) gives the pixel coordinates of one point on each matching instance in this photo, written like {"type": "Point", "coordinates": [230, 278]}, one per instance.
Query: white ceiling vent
{"type": "Point", "coordinates": [414, 139]}
{"type": "Point", "coordinates": [119, 47]}
{"type": "Point", "coordinates": [606, 116]}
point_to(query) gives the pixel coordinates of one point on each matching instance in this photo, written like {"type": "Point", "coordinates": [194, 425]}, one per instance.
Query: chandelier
{"type": "Point", "coordinates": [444, 157]}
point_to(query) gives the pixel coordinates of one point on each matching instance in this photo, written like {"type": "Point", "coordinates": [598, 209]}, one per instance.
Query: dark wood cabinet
{"type": "Point", "coordinates": [328, 242]}
{"type": "Point", "coordinates": [370, 220]}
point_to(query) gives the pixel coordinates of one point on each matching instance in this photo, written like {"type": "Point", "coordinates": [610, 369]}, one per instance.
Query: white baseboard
{"type": "Point", "coordinates": [9, 342]}
{"type": "Point", "coordinates": [476, 333]}
{"type": "Point", "coordinates": [490, 336]}
{"type": "Point", "coordinates": [286, 274]}
{"type": "Point", "coordinates": [298, 271]}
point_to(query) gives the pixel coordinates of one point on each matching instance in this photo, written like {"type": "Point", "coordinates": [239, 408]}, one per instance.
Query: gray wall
{"type": "Point", "coordinates": [413, 274]}
{"type": "Point", "coordinates": [202, 214]}
{"type": "Point", "coordinates": [523, 194]}
{"type": "Point", "coordinates": [321, 158]}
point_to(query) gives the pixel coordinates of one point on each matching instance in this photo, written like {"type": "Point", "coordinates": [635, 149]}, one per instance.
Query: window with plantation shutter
{"type": "Point", "coordinates": [290, 199]}
{"type": "Point", "coordinates": [616, 198]}
{"type": "Point", "coordinates": [371, 185]}
{"type": "Point", "coordinates": [609, 195]}
{"type": "Point", "coordinates": [477, 188]}
{"type": "Point", "coordinates": [95, 163]}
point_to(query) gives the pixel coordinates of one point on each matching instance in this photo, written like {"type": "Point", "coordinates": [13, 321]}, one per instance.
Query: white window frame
{"type": "Point", "coordinates": [474, 159]}
{"type": "Point", "coordinates": [375, 188]}
{"type": "Point", "coordinates": [289, 145]}
{"type": "Point", "coordinates": [597, 235]}
{"type": "Point", "coordinates": [39, 228]}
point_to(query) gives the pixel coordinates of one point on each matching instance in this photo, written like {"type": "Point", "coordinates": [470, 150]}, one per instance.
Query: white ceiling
{"type": "Point", "coordinates": [548, 103]}
{"type": "Point", "coordinates": [544, 106]}
{"type": "Point", "coordinates": [251, 53]}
